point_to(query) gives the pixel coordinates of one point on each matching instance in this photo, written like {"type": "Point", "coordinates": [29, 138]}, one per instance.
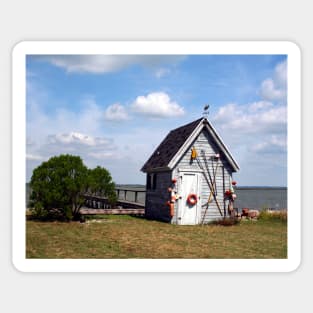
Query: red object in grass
{"type": "Point", "coordinates": [234, 183]}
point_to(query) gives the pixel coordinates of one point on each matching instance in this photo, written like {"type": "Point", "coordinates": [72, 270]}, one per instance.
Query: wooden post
{"type": "Point", "coordinates": [136, 195]}
{"type": "Point", "coordinates": [125, 194]}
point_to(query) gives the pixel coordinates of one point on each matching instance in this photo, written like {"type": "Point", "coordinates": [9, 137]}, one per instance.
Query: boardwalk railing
{"type": "Point", "coordinates": [127, 203]}
{"type": "Point", "coordinates": [136, 195]}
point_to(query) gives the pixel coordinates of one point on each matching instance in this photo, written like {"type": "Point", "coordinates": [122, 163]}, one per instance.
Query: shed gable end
{"type": "Point", "coordinates": [206, 147]}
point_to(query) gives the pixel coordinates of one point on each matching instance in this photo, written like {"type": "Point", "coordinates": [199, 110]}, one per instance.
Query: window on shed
{"type": "Point", "coordinates": [148, 181]}
{"type": "Point", "coordinates": [154, 181]}
{"type": "Point", "coordinates": [151, 181]}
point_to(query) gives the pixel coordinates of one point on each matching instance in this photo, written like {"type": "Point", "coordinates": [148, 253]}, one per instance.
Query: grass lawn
{"type": "Point", "coordinates": [131, 237]}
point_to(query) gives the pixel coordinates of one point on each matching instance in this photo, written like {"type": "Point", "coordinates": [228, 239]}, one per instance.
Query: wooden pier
{"type": "Point", "coordinates": [101, 205]}
{"type": "Point", "coordinates": [88, 211]}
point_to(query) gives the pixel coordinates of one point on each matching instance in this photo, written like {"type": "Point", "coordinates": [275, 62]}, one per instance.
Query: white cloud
{"type": "Point", "coordinates": [116, 112]}
{"type": "Point", "coordinates": [77, 138]}
{"type": "Point", "coordinates": [97, 64]}
{"type": "Point", "coordinates": [261, 117]}
{"type": "Point", "coordinates": [33, 157]}
{"type": "Point", "coordinates": [269, 90]}
{"type": "Point", "coordinates": [256, 135]}
{"type": "Point", "coordinates": [274, 89]}
{"type": "Point", "coordinates": [103, 155]}
{"type": "Point", "coordinates": [252, 118]}
{"type": "Point", "coordinates": [161, 72]}
{"type": "Point", "coordinates": [76, 143]}
{"type": "Point", "coordinates": [260, 105]}
{"type": "Point", "coordinates": [157, 104]}
{"type": "Point", "coordinates": [88, 120]}
{"type": "Point", "coordinates": [93, 150]}
{"type": "Point", "coordinates": [30, 142]}
{"type": "Point", "coordinates": [280, 76]}
{"type": "Point", "coordinates": [273, 145]}
{"type": "Point", "coordinates": [274, 116]}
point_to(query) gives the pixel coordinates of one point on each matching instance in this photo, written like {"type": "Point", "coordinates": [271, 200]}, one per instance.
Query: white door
{"type": "Point", "coordinates": [189, 214]}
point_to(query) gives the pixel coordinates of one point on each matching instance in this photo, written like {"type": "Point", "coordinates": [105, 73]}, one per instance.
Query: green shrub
{"type": "Point", "coordinates": [58, 187]}
{"type": "Point", "coordinates": [38, 212]}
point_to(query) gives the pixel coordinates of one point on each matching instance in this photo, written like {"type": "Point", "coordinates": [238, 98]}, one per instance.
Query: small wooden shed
{"type": "Point", "coordinates": [188, 175]}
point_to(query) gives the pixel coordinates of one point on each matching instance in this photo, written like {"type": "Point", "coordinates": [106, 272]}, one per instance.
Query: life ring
{"type": "Point", "coordinates": [192, 199]}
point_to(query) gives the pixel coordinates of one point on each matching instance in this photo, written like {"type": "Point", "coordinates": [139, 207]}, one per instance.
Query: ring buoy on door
{"type": "Point", "coordinates": [192, 199]}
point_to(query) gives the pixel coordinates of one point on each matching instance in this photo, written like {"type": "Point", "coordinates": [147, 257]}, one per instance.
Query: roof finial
{"type": "Point", "coordinates": [206, 111]}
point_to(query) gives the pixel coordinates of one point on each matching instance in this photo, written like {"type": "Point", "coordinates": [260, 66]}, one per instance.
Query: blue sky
{"type": "Point", "coordinates": [113, 110]}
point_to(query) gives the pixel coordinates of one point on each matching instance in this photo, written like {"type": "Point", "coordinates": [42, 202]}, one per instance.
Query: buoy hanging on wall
{"type": "Point", "coordinates": [174, 197]}
{"type": "Point", "coordinates": [194, 153]}
{"type": "Point", "coordinates": [171, 207]}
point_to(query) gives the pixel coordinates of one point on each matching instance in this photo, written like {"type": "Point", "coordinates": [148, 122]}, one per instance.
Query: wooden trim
{"type": "Point", "coordinates": [158, 169]}
{"type": "Point", "coordinates": [190, 170]}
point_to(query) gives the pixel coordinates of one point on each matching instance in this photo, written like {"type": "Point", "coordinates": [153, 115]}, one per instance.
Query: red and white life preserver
{"type": "Point", "coordinates": [192, 199]}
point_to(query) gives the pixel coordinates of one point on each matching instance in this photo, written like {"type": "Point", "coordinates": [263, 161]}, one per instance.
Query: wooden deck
{"type": "Point", "coordinates": [130, 204]}
{"type": "Point", "coordinates": [100, 205]}
{"type": "Point", "coordinates": [121, 211]}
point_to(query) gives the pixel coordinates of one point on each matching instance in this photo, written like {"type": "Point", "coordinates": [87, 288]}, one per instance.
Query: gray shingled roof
{"type": "Point", "coordinates": [168, 148]}
{"type": "Point", "coordinates": [175, 140]}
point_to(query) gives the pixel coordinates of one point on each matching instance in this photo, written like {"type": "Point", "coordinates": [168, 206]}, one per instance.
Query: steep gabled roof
{"type": "Point", "coordinates": [178, 140]}
{"type": "Point", "coordinates": [168, 148]}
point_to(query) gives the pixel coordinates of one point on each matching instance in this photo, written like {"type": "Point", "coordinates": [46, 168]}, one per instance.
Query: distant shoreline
{"type": "Point", "coordinates": [237, 187]}
{"type": "Point", "coordinates": [247, 196]}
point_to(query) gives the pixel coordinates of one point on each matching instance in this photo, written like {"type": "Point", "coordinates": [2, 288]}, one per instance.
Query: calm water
{"type": "Point", "coordinates": [247, 197]}
{"type": "Point", "coordinates": [261, 198]}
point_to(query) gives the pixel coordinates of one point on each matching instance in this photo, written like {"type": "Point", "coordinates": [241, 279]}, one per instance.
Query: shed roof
{"type": "Point", "coordinates": [178, 140]}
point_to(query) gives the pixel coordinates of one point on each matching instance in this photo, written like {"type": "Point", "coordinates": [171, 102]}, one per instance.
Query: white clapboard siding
{"type": "Point", "coordinates": [205, 143]}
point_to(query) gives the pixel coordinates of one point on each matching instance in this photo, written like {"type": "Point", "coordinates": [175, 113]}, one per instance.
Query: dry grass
{"type": "Point", "coordinates": [130, 237]}
{"type": "Point", "coordinates": [267, 215]}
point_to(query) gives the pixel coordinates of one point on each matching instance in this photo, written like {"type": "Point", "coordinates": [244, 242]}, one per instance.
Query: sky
{"type": "Point", "coordinates": [114, 110]}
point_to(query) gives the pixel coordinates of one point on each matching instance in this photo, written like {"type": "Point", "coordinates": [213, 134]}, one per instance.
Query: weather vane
{"type": "Point", "coordinates": [206, 110]}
